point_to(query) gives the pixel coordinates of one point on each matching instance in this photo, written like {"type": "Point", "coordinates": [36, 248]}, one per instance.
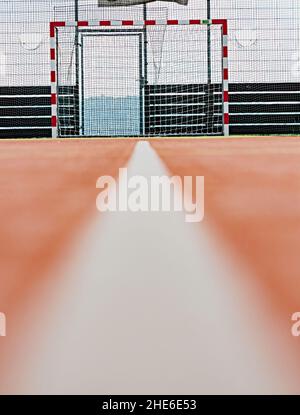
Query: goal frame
{"type": "Point", "coordinates": [143, 24]}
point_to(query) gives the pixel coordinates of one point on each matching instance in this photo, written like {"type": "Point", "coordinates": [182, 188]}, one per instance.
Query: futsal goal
{"type": "Point", "coordinates": [139, 78]}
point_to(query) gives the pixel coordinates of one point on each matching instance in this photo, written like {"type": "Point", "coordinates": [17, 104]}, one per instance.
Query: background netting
{"type": "Point", "coordinates": [119, 96]}
{"type": "Point", "coordinates": [264, 44]}
{"type": "Point", "coordinates": [264, 35]}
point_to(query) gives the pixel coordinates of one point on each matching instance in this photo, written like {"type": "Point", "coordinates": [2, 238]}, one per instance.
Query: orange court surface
{"type": "Point", "coordinates": [216, 304]}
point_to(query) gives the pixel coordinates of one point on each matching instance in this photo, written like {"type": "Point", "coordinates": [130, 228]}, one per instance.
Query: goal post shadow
{"type": "Point", "coordinates": [140, 24]}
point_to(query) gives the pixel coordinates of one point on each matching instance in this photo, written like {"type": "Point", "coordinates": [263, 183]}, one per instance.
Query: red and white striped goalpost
{"type": "Point", "coordinates": [137, 23]}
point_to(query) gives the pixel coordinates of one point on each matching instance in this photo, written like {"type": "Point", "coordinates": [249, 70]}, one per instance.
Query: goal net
{"type": "Point", "coordinates": [139, 78]}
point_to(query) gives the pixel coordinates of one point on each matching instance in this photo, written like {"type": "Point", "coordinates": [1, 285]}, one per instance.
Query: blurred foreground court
{"type": "Point", "coordinates": [145, 303]}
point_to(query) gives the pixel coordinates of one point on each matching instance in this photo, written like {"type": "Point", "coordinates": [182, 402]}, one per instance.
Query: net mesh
{"type": "Point", "coordinates": [176, 93]}
{"type": "Point", "coordinates": [264, 75]}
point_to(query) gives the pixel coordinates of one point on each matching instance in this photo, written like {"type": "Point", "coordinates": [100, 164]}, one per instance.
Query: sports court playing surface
{"type": "Point", "coordinates": [145, 303]}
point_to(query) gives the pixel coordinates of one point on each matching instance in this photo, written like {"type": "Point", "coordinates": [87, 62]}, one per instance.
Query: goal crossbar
{"type": "Point", "coordinates": [139, 24]}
